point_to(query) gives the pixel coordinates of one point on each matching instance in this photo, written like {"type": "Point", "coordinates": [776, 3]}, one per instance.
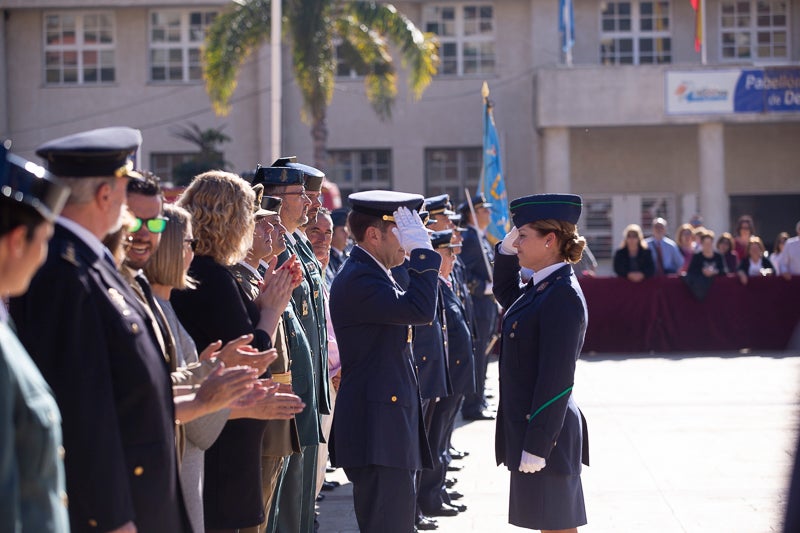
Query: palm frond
{"type": "Point", "coordinates": [234, 34]}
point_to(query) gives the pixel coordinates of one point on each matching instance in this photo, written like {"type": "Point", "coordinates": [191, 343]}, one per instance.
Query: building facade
{"type": "Point", "coordinates": [637, 124]}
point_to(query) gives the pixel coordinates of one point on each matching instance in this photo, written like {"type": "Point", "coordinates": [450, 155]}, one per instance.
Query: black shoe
{"type": "Point", "coordinates": [454, 495]}
{"type": "Point", "coordinates": [450, 482]}
{"type": "Point", "coordinates": [444, 510]}
{"type": "Point", "coordinates": [456, 454]}
{"type": "Point", "coordinates": [481, 415]}
{"type": "Point", "coordinates": [320, 497]}
{"type": "Point", "coordinates": [329, 469]}
{"type": "Point", "coordinates": [454, 468]}
{"type": "Point", "coordinates": [459, 507]}
{"type": "Point", "coordinates": [330, 485]}
{"type": "Point", "coordinates": [489, 396]}
{"type": "Point", "coordinates": [426, 523]}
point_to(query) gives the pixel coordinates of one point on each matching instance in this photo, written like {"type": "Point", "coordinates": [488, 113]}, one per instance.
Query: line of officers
{"type": "Point", "coordinates": [98, 339]}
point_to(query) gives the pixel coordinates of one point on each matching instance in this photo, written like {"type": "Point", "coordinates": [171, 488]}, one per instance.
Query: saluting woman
{"type": "Point", "coordinates": [541, 434]}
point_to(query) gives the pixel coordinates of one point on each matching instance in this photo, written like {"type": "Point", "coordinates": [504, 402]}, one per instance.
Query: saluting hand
{"type": "Point", "coordinates": [410, 230]}
{"type": "Point", "coordinates": [530, 464]}
{"type": "Point", "coordinates": [507, 245]}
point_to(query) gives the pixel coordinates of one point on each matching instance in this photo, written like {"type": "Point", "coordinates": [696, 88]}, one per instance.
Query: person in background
{"type": "Point", "coordinates": [755, 262]}
{"type": "Point", "coordinates": [705, 266]}
{"type": "Point", "coordinates": [667, 258]}
{"type": "Point", "coordinates": [340, 244]}
{"type": "Point", "coordinates": [684, 238]}
{"type": "Point", "coordinates": [541, 434]}
{"type": "Point", "coordinates": [633, 259]}
{"type": "Point", "coordinates": [777, 250]}
{"type": "Point", "coordinates": [790, 258]}
{"type": "Point", "coordinates": [725, 248]}
{"type": "Point", "coordinates": [32, 490]}
{"type": "Point", "coordinates": [744, 230]}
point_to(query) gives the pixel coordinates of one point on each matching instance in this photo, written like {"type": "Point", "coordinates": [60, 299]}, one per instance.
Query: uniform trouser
{"type": "Point", "coordinates": [428, 410]}
{"type": "Point", "coordinates": [296, 501]}
{"type": "Point", "coordinates": [383, 498]}
{"type": "Point", "coordinates": [322, 457]}
{"type": "Point", "coordinates": [274, 509]}
{"type": "Point", "coordinates": [486, 319]}
{"type": "Point", "coordinates": [431, 489]}
{"type": "Point", "coordinates": [271, 471]}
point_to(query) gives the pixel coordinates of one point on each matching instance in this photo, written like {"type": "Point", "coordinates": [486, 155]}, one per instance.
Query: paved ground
{"type": "Point", "coordinates": [678, 444]}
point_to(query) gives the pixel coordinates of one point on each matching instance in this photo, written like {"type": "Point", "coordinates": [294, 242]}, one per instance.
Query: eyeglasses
{"type": "Point", "coordinates": [295, 193]}
{"type": "Point", "coordinates": [154, 225]}
{"type": "Point", "coordinates": [192, 243]}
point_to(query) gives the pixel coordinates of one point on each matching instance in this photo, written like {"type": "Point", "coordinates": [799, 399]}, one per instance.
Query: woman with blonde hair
{"type": "Point", "coordinates": [755, 263]}
{"type": "Point", "coordinates": [684, 238]}
{"type": "Point", "coordinates": [633, 259]}
{"type": "Point", "coordinates": [221, 207]}
{"type": "Point", "coordinates": [543, 330]}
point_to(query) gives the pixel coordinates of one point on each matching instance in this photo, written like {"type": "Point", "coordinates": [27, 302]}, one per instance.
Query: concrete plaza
{"type": "Point", "coordinates": [680, 443]}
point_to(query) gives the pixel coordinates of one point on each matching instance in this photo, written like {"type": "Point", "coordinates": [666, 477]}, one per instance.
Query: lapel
{"type": "Point", "coordinates": [531, 291]}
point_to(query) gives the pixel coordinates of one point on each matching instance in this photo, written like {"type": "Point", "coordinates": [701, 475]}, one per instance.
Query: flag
{"type": "Point", "coordinates": [492, 184]}
{"type": "Point", "coordinates": [566, 26]}
{"type": "Point", "coordinates": [698, 24]}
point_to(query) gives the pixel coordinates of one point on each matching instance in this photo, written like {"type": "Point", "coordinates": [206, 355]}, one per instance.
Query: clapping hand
{"type": "Point", "coordinates": [238, 352]}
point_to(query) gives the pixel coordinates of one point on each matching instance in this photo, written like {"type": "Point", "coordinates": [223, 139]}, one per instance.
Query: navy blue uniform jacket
{"type": "Point", "coordinates": [378, 416]}
{"type": "Point", "coordinates": [543, 331]}
{"type": "Point", "coordinates": [459, 343]}
{"type": "Point", "coordinates": [89, 336]}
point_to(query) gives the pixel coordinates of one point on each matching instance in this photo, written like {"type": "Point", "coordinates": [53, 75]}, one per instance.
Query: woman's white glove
{"type": "Point", "coordinates": [530, 464]}
{"type": "Point", "coordinates": [507, 245]}
{"type": "Point", "coordinates": [410, 230]}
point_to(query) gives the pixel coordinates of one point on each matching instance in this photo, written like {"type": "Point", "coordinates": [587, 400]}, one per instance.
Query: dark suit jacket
{"type": "Point", "coordinates": [378, 418]}
{"type": "Point", "coordinates": [543, 332]}
{"type": "Point", "coordinates": [459, 343]}
{"type": "Point", "coordinates": [643, 263]}
{"type": "Point", "coordinates": [217, 310]}
{"type": "Point", "coordinates": [86, 330]}
{"type": "Point", "coordinates": [473, 249]}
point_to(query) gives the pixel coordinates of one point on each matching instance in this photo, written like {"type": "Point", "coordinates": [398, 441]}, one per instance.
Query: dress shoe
{"type": "Point", "coordinates": [426, 523]}
{"type": "Point", "coordinates": [444, 510]}
{"type": "Point", "coordinates": [330, 485]}
{"type": "Point", "coordinates": [454, 495]}
{"type": "Point", "coordinates": [456, 454]}
{"type": "Point", "coordinates": [459, 507]}
{"type": "Point", "coordinates": [453, 468]}
{"type": "Point", "coordinates": [329, 469]}
{"type": "Point", "coordinates": [449, 482]}
{"type": "Point", "coordinates": [482, 415]}
{"type": "Point", "coordinates": [320, 497]}
{"type": "Point", "coordinates": [489, 396]}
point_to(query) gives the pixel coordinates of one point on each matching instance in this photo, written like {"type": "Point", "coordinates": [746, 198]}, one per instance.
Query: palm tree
{"type": "Point", "coordinates": [359, 32]}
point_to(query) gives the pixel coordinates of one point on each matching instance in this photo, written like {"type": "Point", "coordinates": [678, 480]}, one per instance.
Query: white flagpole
{"type": "Point", "coordinates": [703, 50]}
{"type": "Point", "coordinates": [276, 82]}
{"type": "Point", "coordinates": [567, 31]}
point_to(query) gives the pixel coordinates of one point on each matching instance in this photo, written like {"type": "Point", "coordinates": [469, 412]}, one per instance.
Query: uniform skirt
{"type": "Point", "coordinates": [546, 501]}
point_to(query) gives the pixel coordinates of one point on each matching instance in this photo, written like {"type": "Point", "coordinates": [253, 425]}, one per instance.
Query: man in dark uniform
{"type": "Point", "coordinates": [378, 434]}
{"type": "Point", "coordinates": [88, 334]}
{"type": "Point", "coordinates": [340, 249]}
{"type": "Point", "coordinates": [478, 256]}
{"type": "Point", "coordinates": [295, 497]}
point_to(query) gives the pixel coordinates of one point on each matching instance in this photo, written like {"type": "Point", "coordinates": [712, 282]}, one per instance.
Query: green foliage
{"type": "Point", "coordinates": [209, 156]}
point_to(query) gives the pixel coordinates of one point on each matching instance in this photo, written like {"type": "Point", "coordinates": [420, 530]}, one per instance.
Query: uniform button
{"type": "Point", "coordinates": [138, 471]}
{"type": "Point", "coordinates": [92, 522]}
{"type": "Point", "coordinates": [458, 361]}
{"type": "Point", "coordinates": [424, 358]}
{"type": "Point", "coordinates": [135, 327]}
{"type": "Point", "coordinates": [527, 417]}
{"type": "Point", "coordinates": [422, 256]}
{"type": "Point", "coordinates": [394, 399]}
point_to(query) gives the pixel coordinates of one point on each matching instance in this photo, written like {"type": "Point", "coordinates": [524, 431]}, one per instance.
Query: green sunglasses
{"type": "Point", "coordinates": [154, 225]}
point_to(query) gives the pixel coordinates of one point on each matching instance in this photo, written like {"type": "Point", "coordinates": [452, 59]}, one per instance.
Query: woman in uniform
{"type": "Point", "coordinates": [541, 434]}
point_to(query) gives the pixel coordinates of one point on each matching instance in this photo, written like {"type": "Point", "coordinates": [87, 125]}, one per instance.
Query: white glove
{"type": "Point", "coordinates": [530, 464]}
{"type": "Point", "coordinates": [410, 230]}
{"type": "Point", "coordinates": [506, 246]}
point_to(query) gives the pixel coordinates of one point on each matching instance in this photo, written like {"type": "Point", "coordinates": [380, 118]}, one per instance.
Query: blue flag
{"type": "Point", "coordinates": [492, 184]}
{"type": "Point", "coordinates": [566, 25]}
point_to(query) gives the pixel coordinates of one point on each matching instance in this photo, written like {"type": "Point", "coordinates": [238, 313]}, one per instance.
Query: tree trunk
{"type": "Point", "coordinates": [319, 136]}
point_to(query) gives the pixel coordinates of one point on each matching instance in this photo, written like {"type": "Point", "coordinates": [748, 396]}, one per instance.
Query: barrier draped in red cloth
{"type": "Point", "coordinates": [661, 314]}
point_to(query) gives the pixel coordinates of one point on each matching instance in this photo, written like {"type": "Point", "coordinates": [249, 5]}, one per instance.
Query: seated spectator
{"type": "Point", "coordinates": [725, 248]}
{"type": "Point", "coordinates": [744, 230]}
{"type": "Point", "coordinates": [755, 262]}
{"type": "Point", "coordinates": [667, 258]}
{"type": "Point", "coordinates": [777, 250]}
{"type": "Point", "coordinates": [633, 259]}
{"type": "Point", "coordinates": [587, 266]}
{"type": "Point", "coordinates": [686, 245]}
{"type": "Point", "coordinates": [790, 257]}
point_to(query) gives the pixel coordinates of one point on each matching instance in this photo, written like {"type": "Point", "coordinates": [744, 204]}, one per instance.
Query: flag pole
{"type": "Point", "coordinates": [703, 50]}
{"type": "Point", "coordinates": [474, 220]}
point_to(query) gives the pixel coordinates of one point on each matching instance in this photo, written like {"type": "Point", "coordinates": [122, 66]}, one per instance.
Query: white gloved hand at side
{"type": "Point", "coordinates": [410, 230]}
{"type": "Point", "coordinates": [507, 244]}
{"type": "Point", "coordinates": [530, 463]}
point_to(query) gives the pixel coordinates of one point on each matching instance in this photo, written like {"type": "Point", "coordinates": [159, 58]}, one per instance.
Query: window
{"type": "Point", "coordinates": [466, 34]}
{"type": "Point", "coordinates": [595, 225]}
{"type": "Point", "coordinates": [357, 170]}
{"type": "Point", "coordinates": [658, 206]}
{"type": "Point", "coordinates": [451, 170]}
{"type": "Point", "coordinates": [176, 37]}
{"type": "Point", "coordinates": [163, 164]}
{"type": "Point", "coordinates": [755, 29]}
{"type": "Point", "coordinates": [79, 48]}
{"type": "Point", "coordinates": [635, 33]}
{"type": "Point", "coordinates": [345, 68]}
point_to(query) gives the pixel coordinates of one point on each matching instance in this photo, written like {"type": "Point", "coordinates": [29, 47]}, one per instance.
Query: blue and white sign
{"type": "Point", "coordinates": [758, 90]}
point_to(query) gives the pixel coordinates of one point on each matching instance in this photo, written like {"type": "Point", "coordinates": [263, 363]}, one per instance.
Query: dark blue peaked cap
{"type": "Point", "coordinates": [93, 153]}
{"type": "Point", "coordinates": [383, 204]}
{"type": "Point", "coordinates": [313, 176]}
{"type": "Point", "coordinates": [339, 216]}
{"type": "Point", "coordinates": [439, 204]}
{"type": "Point", "coordinates": [441, 239]}
{"type": "Point", "coordinates": [564, 207]}
{"type": "Point", "coordinates": [278, 176]}
{"type": "Point", "coordinates": [30, 184]}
